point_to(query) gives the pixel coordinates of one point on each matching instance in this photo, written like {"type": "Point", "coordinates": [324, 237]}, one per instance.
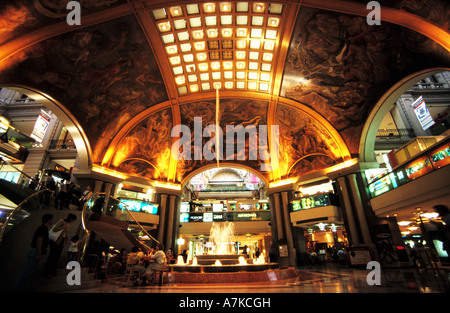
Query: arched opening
{"type": "Point", "coordinates": [66, 118]}
{"type": "Point", "coordinates": [226, 194]}
{"type": "Point", "coordinates": [382, 107]}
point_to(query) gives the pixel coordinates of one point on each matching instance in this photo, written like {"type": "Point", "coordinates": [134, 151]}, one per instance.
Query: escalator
{"type": "Point", "coordinates": [111, 223]}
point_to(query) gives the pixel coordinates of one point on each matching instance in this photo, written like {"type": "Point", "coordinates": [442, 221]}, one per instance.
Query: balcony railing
{"type": "Point", "coordinates": [397, 133]}
{"type": "Point", "coordinates": [62, 144]}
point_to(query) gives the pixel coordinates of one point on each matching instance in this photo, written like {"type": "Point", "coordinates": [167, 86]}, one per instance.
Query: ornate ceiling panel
{"type": "Point", "coordinates": [104, 74]}
{"type": "Point", "coordinates": [137, 68]}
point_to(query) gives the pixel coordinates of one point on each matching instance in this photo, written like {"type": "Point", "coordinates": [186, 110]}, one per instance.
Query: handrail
{"type": "Point", "coordinates": [88, 232]}
{"type": "Point", "coordinates": [5, 225]}
{"type": "Point", "coordinates": [13, 212]}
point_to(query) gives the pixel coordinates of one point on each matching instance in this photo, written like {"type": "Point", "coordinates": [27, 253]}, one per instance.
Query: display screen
{"type": "Point", "coordinates": [310, 202]}
{"type": "Point", "coordinates": [441, 157]}
{"type": "Point", "coordinates": [184, 207]}
{"type": "Point", "coordinates": [418, 168]}
{"type": "Point", "coordinates": [138, 206]}
{"type": "Point", "coordinates": [380, 186]}
{"type": "Point", "coordinates": [184, 217]}
{"type": "Point", "coordinates": [217, 207]}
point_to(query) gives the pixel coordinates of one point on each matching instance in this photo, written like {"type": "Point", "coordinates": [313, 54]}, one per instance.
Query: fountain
{"type": "Point", "coordinates": [222, 264]}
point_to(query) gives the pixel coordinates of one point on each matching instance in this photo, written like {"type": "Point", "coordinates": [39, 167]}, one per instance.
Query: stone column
{"type": "Point", "coordinates": [364, 226]}
{"type": "Point", "coordinates": [347, 206]}
{"type": "Point", "coordinates": [288, 229]}
{"type": "Point", "coordinates": [98, 184]}
{"type": "Point", "coordinates": [279, 216]}
{"type": "Point", "coordinates": [162, 217]}
{"type": "Point", "coordinates": [170, 223]}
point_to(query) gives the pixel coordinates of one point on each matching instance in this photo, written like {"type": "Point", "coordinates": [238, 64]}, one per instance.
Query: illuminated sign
{"type": "Point", "coordinates": [422, 113]}
{"type": "Point", "coordinates": [41, 126]}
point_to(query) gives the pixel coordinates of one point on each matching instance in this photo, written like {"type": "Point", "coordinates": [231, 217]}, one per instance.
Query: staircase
{"type": "Point", "coordinates": [112, 230]}
{"type": "Point", "coordinates": [16, 242]}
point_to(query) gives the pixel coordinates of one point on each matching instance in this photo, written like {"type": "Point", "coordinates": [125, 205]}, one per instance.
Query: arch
{"type": "Point", "coordinates": [382, 107]}
{"type": "Point", "coordinates": [66, 117]}
{"type": "Point", "coordinates": [222, 165]}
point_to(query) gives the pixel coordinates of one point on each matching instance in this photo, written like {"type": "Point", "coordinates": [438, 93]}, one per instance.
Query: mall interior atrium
{"type": "Point", "coordinates": [262, 146]}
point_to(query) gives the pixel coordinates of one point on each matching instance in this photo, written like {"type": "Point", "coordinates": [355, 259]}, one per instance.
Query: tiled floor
{"type": "Point", "coordinates": [314, 279]}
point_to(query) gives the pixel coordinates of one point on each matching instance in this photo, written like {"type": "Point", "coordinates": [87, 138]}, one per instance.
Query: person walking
{"type": "Point", "coordinates": [38, 248]}
{"type": "Point", "coordinates": [57, 245]}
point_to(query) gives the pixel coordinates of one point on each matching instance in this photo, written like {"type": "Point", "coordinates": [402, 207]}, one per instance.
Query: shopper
{"type": "Point", "coordinates": [57, 245]}
{"type": "Point", "coordinates": [444, 227]}
{"type": "Point", "coordinates": [38, 248]}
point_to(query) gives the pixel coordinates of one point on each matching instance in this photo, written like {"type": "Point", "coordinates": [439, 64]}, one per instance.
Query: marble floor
{"type": "Point", "coordinates": [311, 279]}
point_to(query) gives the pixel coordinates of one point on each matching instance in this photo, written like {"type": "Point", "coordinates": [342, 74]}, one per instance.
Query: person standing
{"type": "Point", "coordinates": [38, 248]}
{"type": "Point", "coordinates": [57, 246]}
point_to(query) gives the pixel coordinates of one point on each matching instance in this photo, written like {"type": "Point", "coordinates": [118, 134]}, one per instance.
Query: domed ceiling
{"type": "Point", "coordinates": [135, 69]}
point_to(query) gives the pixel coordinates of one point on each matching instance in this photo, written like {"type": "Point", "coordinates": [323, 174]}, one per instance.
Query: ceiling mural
{"type": "Point", "coordinates": [17, 17]}
{"type": "Point", "coordinates": [107, 74]}
{"type": "Point", "coordinates": [340, 66]}
{"type": "Point", "coordinates": [305, 145]}
{"type": "Point", "coordinates": [145, 151]}
{"type": "Point", "coordinates": [104, 75]}
{"type": "Point", "coordinates": [233, 112]}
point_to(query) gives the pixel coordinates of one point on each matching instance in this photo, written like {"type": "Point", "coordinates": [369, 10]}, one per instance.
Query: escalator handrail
{"type": "Point", "coordinates": [88, 232]}
{"type": "Point", "coordinates": [10, 215]}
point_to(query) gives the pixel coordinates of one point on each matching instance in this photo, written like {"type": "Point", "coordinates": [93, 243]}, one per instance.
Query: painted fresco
{"type": "Point", "coordinates": [305, 145]}
{"type": "Point", "coordinates": [232, 112]}
{"type": "Point", "coordinates": [17, 17]}
{"type": "Point", "coordinates": [104, 75]}
{"type": "Point", "coordinates": [340, 66]}
{"type": "Point", "coordinates": [145, 151]}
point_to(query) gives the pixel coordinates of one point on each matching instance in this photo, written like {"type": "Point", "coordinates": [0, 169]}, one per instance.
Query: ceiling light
{"type": "Point", "coordinates": [241, 32]}
{"type": "Point", "coordinates": [212, 33]}
{"type": "Point", "coordinates": [176, 11]}
{"type": "Point", "coordinates": [200, 45]}
{"type": "Point", "coordinates": [404, 223]}
{"type": "Point", "coordinates": [215, 65]}
{"type": "Point", "coordinates": [240, 55]}
{"type": "Point", "coordinates": [258, 7]}
{"type": "Point", "coordinates": [267, 56]}
{"type": "Point", "coordinates": [265, 76]}
{"type": "Point", "coordinates": [175, 60]}
{"type": "Point", "coordinates": [201, 57]}
{"type": "Point", "coordinates": [197, 34]}
{"type": "Point", "coordinates": [240, 65]}
{"type": "Point", "coordinates": [227, 32]}
{"type": "Point", "coordinates": [252, 85]}
{"type": "Point", "coordinates": [241, 44]}
{"type": "Point", "coordinates": [263, 87]}
{"type": "Point", "coordinates": [209, 7]}
{"type": "Point", "coordinates": [269, 45]}
{"type": "Point", "coordinates": [171, 49]}
{"type": "Point", "coordinates": [164, 27]}
{"type": "Point", "coordinates": [227, 65]}
{"type": "Point", "coordinates": [192, 78]}
{"type": "Point", "coordinates": [273, 21]}
{"type": "Point", "coordinates": [430, 215]}
{"type": "Point", "coordinates": [225, 7]}
{"type": "Point", "coordinates": [180, 80]}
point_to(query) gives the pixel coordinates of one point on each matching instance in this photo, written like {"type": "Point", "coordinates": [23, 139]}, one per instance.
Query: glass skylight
{"type": "Point", "coordinates": [226, 44]}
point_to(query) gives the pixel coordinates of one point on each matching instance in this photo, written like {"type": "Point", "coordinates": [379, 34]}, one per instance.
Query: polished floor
{"type": "Point", "coordinates": [311, 279]}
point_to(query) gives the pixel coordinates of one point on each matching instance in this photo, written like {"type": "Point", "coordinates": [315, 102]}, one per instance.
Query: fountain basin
{"type": "Point", "coordinates": [233, 274]}
{"type": "Point", "coordinates": [225, 259]}
{"type": "Point", "coordinates": [211, 268]}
